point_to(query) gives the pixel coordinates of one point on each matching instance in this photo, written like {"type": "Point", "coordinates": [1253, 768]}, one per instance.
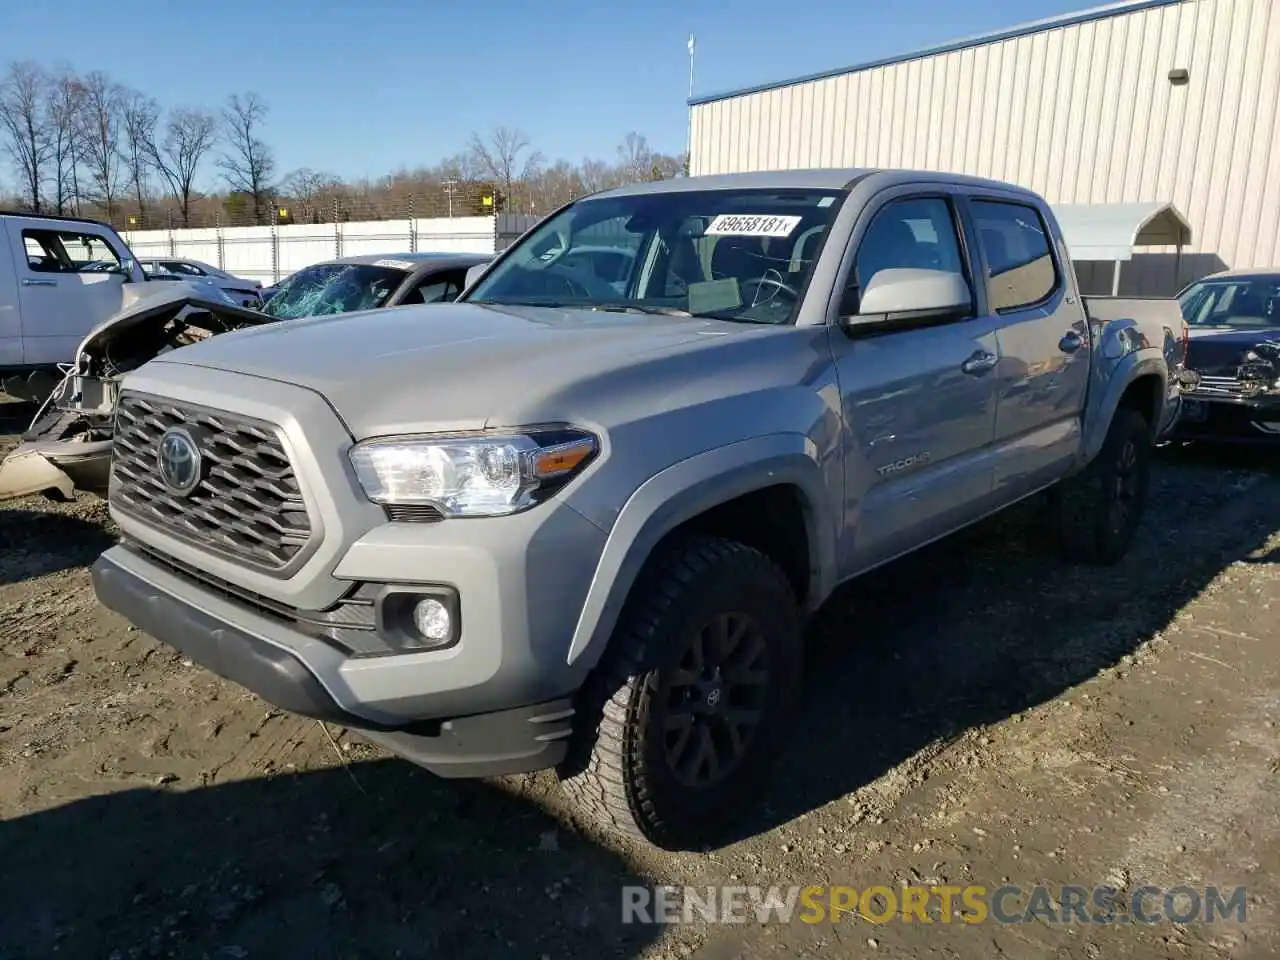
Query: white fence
{"type": "Point", "coordinates": [270, 253]}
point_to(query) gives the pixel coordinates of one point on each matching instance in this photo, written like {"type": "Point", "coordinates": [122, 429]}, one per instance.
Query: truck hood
{"type": "Point", "coordinates": [460, 366]}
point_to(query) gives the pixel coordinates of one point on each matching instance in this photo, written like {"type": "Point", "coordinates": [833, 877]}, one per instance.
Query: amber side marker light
{"type": "Point", "coordinates": [562, 458]}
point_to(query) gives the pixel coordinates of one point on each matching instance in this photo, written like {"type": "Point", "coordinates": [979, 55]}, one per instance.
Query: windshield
{"type": "Point", "coordinates": [1242, 302]}
{"type": "Point", "coordinates": [731, 254]}
{"type": "Point", "coordinates": [333, 288]}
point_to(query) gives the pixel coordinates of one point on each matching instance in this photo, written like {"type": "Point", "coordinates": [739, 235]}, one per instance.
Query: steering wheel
{"type": "Point", "coordinates": [779, 286]}
{"type": "Point", "coordinates": [578, 283]}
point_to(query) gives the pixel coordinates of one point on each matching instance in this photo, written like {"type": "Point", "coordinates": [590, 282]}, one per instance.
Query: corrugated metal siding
{"type": "Point", "coordinates": [1082, 114]}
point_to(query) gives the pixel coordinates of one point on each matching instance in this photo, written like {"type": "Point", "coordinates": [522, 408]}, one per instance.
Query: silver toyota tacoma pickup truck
{"type": "Point", "coordinates": [579, 523]}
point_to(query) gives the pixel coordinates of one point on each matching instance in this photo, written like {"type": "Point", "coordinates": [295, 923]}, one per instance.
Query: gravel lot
{"type": "Point", "coordinates": [974, 713]}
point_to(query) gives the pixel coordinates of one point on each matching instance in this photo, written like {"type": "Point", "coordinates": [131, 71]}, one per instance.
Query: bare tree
{"type": "Point", "coordinates": [65, 94]}
{"type": "Point", "coordinates": [460, 166]}
{"type": "Point", "coordinates": [308, 188]}
{"type": "Point", "coordinates": [636, 157]}
{"type": "Point", "coordinates": [189, 135]}
{"type": "Point", "coordinates": [506, 157]}
{"type": "Point", "coordinates": [102, 148]}
{"type": "Point", "coordinates": [139, 116]}
{"type": "Point", "coordinates": [667, 166]}
{"type": "Point", "coordinates": [25, 126]}
{"type": "Point", "coordinates": [596, 175]}
{"type": "Point", "coordinates": [248, 164]}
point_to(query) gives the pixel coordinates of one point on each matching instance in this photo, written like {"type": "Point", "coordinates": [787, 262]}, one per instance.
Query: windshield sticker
{"type": "Point", "coordinates": [751, 225]}
{"type": "Point", "coordinates": [826, 202]}
{"type": "Point", "coordinates": [395, 264]}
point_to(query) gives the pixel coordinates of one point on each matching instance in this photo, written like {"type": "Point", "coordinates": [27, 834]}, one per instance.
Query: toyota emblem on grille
{"type": "Point", "coordinates": [179, 460]}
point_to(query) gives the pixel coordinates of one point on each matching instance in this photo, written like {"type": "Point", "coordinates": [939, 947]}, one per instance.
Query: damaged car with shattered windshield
{"type": "Point", "coordinates": [371, 282]}
{"type": "Point", "coordinates": [68, 445]}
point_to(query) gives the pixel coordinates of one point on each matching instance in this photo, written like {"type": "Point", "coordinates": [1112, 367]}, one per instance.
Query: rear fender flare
{"type": "Point", "coordinates": [1116, 378]}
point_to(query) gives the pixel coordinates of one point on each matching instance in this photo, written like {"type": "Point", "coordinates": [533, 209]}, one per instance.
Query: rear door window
{"type": "Point", "coordinates": [1021, 270]}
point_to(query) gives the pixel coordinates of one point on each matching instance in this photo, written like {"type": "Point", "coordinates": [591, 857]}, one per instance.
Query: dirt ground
{"type": "Point", "coordinates": [976, 714]}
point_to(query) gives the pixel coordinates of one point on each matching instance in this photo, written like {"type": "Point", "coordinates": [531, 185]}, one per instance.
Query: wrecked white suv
{"type": "Point", "coordinates": [68, 445]}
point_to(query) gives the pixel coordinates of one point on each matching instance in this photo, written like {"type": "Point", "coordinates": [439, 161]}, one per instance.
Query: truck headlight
{"type": "Point", "coordinates": [472, 475]}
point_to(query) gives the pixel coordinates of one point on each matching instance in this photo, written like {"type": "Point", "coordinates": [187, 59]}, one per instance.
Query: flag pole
{"type": "Point", "coordinates": [688, 148]}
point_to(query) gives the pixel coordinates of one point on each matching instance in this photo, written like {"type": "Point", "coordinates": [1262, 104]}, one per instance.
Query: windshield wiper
{"type": "Point", "coordinates": [638, 308]}
{"type": "Point", "coordinates": [550, 304]}
{"type": "Point", "coordinates": [737, 318]}
{"type": "Point", "coordinates": [588, 305]}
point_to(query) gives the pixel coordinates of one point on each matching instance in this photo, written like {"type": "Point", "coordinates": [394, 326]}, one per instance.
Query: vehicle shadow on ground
{"type": "Point", "coordinates": [984, 625]}
{"type": "Point", "coordinates": [15, 415]}
{"type": "Point", "coordinates": [34, 543]}
{"type": "Point", "coordinates": [374, 860]}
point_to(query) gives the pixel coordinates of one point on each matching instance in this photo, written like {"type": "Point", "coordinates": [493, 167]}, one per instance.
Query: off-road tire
{"type": "Point", "coordinates": [618, 771]}
{"type": "Point", "coordinates": [1083, 508]}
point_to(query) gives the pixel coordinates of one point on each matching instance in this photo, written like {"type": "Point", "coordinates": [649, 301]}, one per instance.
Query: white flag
{"type": "Point", "coordinates": [691, 44]}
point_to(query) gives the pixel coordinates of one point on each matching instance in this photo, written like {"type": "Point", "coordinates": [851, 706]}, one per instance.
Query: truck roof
{"type": "Point", "coordinates": [28, 215]}
{"type": "Point", "coordinates": [836, 178]}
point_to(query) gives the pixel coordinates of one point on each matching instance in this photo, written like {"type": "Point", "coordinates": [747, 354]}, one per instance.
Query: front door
{"type": "Point", "coordinates": [919, 404]}
{"type": "Point", "coordinates": [69, 281]}
{"type": "Point", "coordinates": [1044, 345]}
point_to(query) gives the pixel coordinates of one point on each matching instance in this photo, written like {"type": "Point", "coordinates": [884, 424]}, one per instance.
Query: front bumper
{"type": "Point", "coordinates": [239, 647]}
{"type": "Point", "coordinates": [521, 582]}
{"type": "Point", "coordinates": [1229, 420]}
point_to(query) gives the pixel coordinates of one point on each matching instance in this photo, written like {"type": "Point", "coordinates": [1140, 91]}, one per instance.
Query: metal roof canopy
{"type": "Point", "coordinates": [1110, 231]}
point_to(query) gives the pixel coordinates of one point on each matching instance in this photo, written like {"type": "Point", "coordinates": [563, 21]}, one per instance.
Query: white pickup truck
{"type": "Point", "coordinates": [60, 277]}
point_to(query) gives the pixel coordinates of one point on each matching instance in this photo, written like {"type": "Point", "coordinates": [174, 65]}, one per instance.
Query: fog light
{"type": "Point", "coordinates": [431, 617]}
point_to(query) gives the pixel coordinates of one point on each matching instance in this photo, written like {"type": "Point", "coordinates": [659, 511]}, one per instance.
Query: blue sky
{"type": "Point", "coordinates": [363, 87]}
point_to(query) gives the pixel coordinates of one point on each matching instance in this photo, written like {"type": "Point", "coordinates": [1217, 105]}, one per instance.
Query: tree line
{"type": "Point", "coordinates": [84, 144]}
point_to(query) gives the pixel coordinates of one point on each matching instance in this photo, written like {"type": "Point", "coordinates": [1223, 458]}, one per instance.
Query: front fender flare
{"type": "Point", "coordinates": [685, 490]}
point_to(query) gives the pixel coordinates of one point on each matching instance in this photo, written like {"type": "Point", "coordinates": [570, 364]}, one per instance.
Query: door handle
{"type": "Point", "coordinates": [1070, 342]}
{"type": "Point", "coordinates": [28, 282]}
{"type": "Point", "coordinates": [979, 363]}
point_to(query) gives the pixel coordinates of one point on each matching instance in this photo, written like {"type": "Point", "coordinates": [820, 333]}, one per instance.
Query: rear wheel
{"type": "Point", "coordinates": [681, 726]}
{"type": "Point", "coordinates": [1096, 513]}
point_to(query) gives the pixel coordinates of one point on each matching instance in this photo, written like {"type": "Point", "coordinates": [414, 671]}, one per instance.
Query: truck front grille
{"type": "Point", "coordinates": [247, 504]}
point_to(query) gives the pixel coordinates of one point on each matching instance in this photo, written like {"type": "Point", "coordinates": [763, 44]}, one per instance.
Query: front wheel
{"type": "Point", "coordinates": [681, 726]}
{"type": "Point", "coordinates": [1096, 513]}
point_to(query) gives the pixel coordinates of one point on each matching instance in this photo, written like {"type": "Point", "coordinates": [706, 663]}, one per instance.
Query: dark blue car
{"type": "Point", "coordinates": [1234, 324]}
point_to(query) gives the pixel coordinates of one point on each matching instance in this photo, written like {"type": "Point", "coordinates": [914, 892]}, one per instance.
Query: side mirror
{"type": "Point", "coordinates": [127, 267]}
{"type": "Point", "coordinates": [898, 298]}
{"type": "Point", "coordinates": [473, 274]}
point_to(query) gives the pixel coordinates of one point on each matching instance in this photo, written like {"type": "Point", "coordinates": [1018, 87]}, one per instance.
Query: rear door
{"type": "Point", "coordinates": [60, 299]}
{"type": "Point", "coordinates": [919, 404]}
{"type": "Point", "coordinates": [1043, 337]}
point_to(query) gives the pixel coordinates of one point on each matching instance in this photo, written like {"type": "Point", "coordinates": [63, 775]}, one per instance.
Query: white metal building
{"type": "Point", "coordinates": [1167, 101]}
